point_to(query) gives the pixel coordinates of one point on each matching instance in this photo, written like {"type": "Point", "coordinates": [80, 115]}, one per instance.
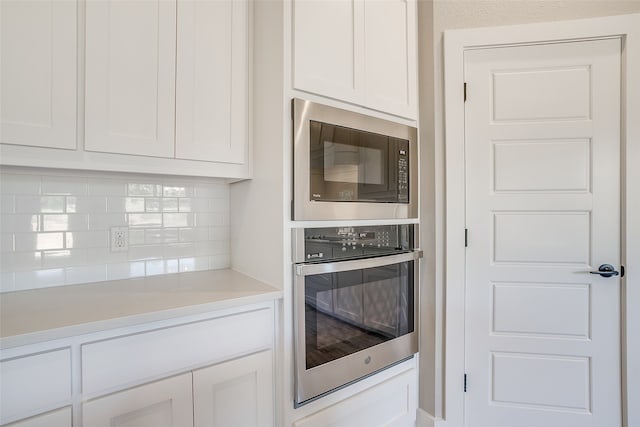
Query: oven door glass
{"type": "Point", "coordinates": [349, 311]}
{"type": "Point", "coordinates": [352, 165]}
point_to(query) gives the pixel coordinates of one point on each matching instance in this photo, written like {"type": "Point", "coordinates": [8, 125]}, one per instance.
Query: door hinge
{"type": "Point", "coordinates": [465, 91]}
{"type": "Point", "coordinates": [466, 237]}
{"type": "Point", "coordinates": [465, 383]}
{"type": "Point", "coordinates": [622, 271]}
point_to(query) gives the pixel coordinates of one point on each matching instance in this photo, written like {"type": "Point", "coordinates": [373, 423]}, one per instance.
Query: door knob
{"type": "Point", "coordinates": [606, 270]}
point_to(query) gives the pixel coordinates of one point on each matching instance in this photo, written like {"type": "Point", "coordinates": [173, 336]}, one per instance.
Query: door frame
{"type": "Point", "coordinates": [625, 27]}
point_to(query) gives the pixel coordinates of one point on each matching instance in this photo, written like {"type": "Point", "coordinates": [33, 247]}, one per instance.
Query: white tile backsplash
{"type": "Point", "coordinates": [55, 226]}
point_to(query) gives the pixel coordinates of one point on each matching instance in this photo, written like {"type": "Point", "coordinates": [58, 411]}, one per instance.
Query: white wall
{"type": "Point", "coordinates": [438, 16]}
{"type": "Point", "coordinates": [55, 226]}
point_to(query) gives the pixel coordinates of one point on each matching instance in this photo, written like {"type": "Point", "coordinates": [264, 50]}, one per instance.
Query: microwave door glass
{"type": "Point", "coordinates": [349, 165]}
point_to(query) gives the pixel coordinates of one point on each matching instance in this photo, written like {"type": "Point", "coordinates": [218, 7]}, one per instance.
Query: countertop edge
{"type": "Point", "coordinates": [264, 293]}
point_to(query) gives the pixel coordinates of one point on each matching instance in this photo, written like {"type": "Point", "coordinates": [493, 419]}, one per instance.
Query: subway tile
{"type": "Point", "coordinates": [144, 220]}
{"type": "Point", "coordinates": [199, 205]}
{"type": "Point", "coordinates": [116, 204]}
{"type": "Point", "coordinates": [136, 236]}
{"type": "Point", "coordinates": [147, 252]}
{"type": "Point", "coordinates": [218, 205]}
{"type": "Point", "coordinates": [153, 236]}
{"type": "Point", "coordinates": [155, 267]}
{"type": "Point", "coordinates": [193, 264]}
{"type": "Point", "coordinates": [179, 250]}
{"type": "Point", "coordinates": [86, 239]}
{"type": "Point", "coordinates": [142, 189]}
{"type": "Point", "coordinates": [171, 266]}
{"type": "Point", "coordinates": [6, 242]}
{"type": "Point", "coordinates": [7, 282]}
{"type": "Point", "coordinates": [64, 258]}
{"type": "Point", "coordinates": [39, 278]}
{"type": "Point", "coordinates": [194, 234]}
{"type": "Point", "coordinates": [106, 221]}
{"type": "Point", "coordinates": [105, 256]}
{"type": "Point", "coordinates": [39, 204]}
{"type": "Point", "coordinates": [219, 233]}
{"type": "Point", "coordinates": [65, 222]}
{"type": "Point", "coordinates": [177, 219]}
{"type": "Point", "coordinates": [72, 186]}
{"type": "Point", "coordinates": [23, 261]}
{"type": "Point", "coordinates": [169, 204]}
{"type": "Point", "coordinates": [152, 204]}
{"type": "Point", "coordinates": [86, 204]}
{"type": "Point", "coordinates": [86, 274]}
{"type": "Point", "coordinates": [217, 262]}
{"type": "Point", "coordinates": [125, 270]}
{"type": "Point", "coordinates": [203, 220]}
{"type": "Point", "coordinates": [106, 187]}
{"type": "Point", "coordinates": [7, 204]}
{"type": "Point", "coordinates": [184, 205]}
{"type": "Point", "coordinates": [19, 223]}
{"type": "Point", "coordinates": [134, 204]}
{"type": "Point", "coordinates": [177, 190]}
{"type": "Point", "coordinates": [6, 262]}
{"type": "Point", "coordinates": [38, 241]}
{"type": "Point", "coordinates": [19, 184]}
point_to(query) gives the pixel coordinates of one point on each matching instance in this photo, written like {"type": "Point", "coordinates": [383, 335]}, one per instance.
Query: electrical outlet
{"type": "Point", "coordinates": [119, 239]}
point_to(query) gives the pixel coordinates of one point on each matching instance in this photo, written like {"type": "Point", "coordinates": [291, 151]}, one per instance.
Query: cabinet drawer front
{"type": "Point", "coordinates": [166, 403]}
{"type": "Point", "coordinates": [33, 384]}
{"type": "Point", "coordinates": [132, 359]}
{"type": "Point", "coordinates": [59, 418]}
{"type": "Point", "coordinates": [391, 403]}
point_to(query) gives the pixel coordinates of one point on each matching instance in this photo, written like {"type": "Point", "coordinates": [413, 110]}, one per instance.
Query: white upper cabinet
{"type": "Point", "coordinates": [168, 78]}
{"type": "Point", "coordinates": [359, 51]}
{"type": "Point", "coordinates": [328, 47]}
{"type": "Point", "coordinates": [390, 59]}
{"type": "Point", "coordinates": [130, 77]}
{"type": "Point", "coordinates": [212, 80]}
{"type": "Point", "coordinates": [38, 73]}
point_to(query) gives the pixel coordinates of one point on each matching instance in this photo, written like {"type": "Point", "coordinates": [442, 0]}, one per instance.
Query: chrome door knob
{"type": "Point", "coordinates": [606, 270]}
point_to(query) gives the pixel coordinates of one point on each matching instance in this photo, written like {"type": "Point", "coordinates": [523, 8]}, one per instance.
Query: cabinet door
{"type": "Point", "coordinates": [390, 56]}
{"type": "Point", "coordinates": [130, 76]}
{"type": "Point", "coordinates": [235, 393]}
{"type": "Point", "coordinates": [59, 418]}
{"type": "Point", "coordinates": [165, 403]}
{"type": "Point", "coordinates": [212, 80]}
{"type": "Point", "coordinates": [328, 47]}
{"type": "Point", "coordinates": [38, 73]}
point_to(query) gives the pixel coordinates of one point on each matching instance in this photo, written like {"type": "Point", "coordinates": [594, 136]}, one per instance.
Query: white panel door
{"type": "Point", "coordinates": [38, 73]}
{"type": "Point", "coordinates": [328, 49]}
{"type": "Point", "coordinates": [212, 80]}
{"type": "Point", "coordinates": [164, 403]}
{"type": "Point", "coordinates": [130, 77]}
{"type": "Point", "coordinates": [390, 56]}
{"type": "Point", "coordinates": [543, 210]}
{"type": "Point", "coordinates": [235, 393]}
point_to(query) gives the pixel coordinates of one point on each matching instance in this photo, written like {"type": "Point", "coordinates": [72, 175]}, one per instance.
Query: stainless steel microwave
{"type": "Point", "coordinates": [348, 165]}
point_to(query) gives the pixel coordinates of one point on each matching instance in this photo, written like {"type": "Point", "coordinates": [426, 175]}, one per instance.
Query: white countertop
{"type": "Point", "coordinates": [28, 317]}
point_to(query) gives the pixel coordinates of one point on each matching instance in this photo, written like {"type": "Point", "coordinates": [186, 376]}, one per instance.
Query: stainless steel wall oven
{"type": "Point", "coordinates": [352, 166]}
{"type": "Point", "coordinates": [355, 296]}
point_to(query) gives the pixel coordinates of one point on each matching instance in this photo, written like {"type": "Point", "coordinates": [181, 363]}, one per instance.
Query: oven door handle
{"type": "Point", "coordinates": [356, 264]}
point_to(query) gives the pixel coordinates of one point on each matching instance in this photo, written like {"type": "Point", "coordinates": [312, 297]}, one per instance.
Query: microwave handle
{"type": "Point", "coordinates": [356, 264]}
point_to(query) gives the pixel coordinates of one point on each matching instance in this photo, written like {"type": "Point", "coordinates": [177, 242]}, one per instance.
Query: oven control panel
{"type": "Point", "coordinates": [331, 243]}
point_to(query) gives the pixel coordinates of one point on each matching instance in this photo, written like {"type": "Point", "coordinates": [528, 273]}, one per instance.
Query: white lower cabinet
{"type": "Point", "coordinates": [235, 393]}
{"type": "Point", "coordinates": [206, 370]}
{"type": "Point", "coordinates": [164, 403]}
{"type": "Point", "coordinates": [391, 403]}
{"type": "Point", "coordinates": [59, 418]}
